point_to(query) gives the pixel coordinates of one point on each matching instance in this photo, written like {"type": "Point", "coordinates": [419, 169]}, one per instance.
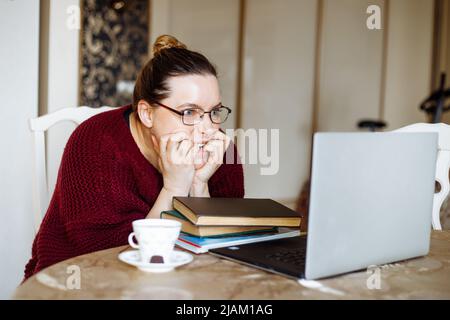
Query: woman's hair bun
{"type": "Point", "coordinates": [165, 42]}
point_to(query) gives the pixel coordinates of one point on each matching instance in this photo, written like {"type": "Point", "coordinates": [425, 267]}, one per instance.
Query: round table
{"type": "Point", "coordinates": [102, 276]}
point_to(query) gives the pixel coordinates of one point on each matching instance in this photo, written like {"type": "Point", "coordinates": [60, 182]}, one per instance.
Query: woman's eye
{"type": "Point", "coordinates": [189, 112]}
{"type": "Point", "coordinates": [217, 112]}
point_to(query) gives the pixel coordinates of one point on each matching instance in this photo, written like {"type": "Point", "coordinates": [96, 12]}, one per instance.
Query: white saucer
{"type": "Point", "coordinates": [177, 259]}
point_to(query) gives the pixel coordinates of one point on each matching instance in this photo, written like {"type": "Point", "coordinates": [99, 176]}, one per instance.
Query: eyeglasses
{"type": "Point", "coordinates": [194, 115]}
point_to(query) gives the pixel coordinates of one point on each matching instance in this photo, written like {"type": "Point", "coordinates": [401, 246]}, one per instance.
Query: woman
{"type": "Point", "coordinates": [128, 163]}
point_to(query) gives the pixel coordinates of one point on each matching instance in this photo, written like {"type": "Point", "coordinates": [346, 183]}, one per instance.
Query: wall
{"type": "Point", "coordinates": [19, 29]}
{"type": "Point", "coordinates": [442, 47]}
{"type": "Point", "coordinates": [352, 82]}
{"type": "Point", "coordinates": [60, 78]}
{"type": "Point", "coordinates": [350, 66]}
{"type": "Point", "coordinates": [408, 79]}
{"type": "Point", "coordinates": [278, 89]}
{"type": "Point", "coordinates": [38, 76]}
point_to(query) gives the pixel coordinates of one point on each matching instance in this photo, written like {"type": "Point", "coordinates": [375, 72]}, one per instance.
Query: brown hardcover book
{"type": "Point", "coordinates": [236, 212]}
{"type": "Point", "coordinates": [213, 231]}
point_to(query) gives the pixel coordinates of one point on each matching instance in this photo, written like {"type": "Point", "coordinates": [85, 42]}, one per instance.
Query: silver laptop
{"type": "Point", "coordinates": [370, 203]}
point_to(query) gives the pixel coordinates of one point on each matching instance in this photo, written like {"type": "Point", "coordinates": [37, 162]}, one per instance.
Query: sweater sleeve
{"type": "Point", "coordinates": [97, 202]}
{"type": "Point", "coordinates": [228, 180]}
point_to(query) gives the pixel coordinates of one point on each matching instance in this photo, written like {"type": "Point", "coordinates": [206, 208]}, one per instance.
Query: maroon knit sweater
{"type": "Point", "coordinates": [104, 183]}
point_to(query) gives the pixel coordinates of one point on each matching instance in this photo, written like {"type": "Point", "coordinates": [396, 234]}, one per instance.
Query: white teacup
{"type": "Point", "coordinates": [156, 238]}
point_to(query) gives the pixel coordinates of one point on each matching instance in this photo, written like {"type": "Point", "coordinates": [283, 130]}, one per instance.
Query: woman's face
{"type": "Point", "coordinates": [185, 91]}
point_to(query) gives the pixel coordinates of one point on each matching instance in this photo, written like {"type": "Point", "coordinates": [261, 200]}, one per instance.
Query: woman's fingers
{"type": "Point", "coordinates": [221, 137]}
{"type": "Point", "coordinates": [184, 147]}
{"type": "Point", "coordinates": [166, 145]}
{"type": "Point", "coordinates": [177, 172]}
{"type": "Point", "coordinates": [177, 147]}
{"type": "Point", "coordinates": [175, 139]}
{"type": "Point", "coordinates": [216, 149]}
{"type": "Point", "coordinates": [190, 155]}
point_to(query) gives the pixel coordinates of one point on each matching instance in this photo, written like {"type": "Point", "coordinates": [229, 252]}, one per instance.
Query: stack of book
{"type": "Point", "coordinates": [210, 223]}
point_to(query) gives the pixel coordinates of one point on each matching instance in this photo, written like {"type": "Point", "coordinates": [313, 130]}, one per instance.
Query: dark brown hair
{"type": "Point", "coordinates": [171, 58]}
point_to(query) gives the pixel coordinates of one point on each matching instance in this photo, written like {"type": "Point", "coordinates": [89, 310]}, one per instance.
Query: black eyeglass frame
{"type": "Point", "coordinates": [181, 113]}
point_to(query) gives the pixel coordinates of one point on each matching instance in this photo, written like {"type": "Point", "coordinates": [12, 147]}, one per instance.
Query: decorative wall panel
{"type": "Point", "coordinates": [113, 49]}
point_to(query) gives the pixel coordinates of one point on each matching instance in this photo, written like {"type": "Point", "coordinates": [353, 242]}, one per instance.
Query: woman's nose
{"type": "Point", "coordinates": [205, 123]}
{"type": "Point", "coordinates": [203, 130]}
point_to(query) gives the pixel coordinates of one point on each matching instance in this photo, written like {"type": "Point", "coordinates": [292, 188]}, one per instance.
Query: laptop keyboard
{"type": "Point", "coordinates": [294, 256]}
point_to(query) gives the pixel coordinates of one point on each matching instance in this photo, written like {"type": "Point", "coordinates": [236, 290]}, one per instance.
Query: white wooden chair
{"type": "Point", "coordinates": [442, 164]}
{"type": "Point", "coordinates": [38, 126]}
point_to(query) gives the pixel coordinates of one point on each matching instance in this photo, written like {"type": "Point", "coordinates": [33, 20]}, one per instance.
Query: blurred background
{"type": "Point", "coordinates": [300, 66]}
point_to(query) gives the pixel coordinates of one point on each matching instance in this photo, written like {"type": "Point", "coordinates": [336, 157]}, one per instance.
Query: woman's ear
{"type": "Point", "coordinates": [145, 113]}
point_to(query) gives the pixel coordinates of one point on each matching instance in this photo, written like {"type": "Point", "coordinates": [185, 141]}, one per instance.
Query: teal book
{"type": "Point", "coordinates": [202, 245]}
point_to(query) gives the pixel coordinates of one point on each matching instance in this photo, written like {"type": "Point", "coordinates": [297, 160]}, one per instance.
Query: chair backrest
{"type": "Point", "coordinates": [442, 164]}
{"type": "Point", "coordinates": [38, 126]}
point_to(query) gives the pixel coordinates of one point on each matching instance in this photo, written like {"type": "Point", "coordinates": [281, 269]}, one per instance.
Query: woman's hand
{"type": "Point", "coordinates": [176, 161]}
{"type": "Point", "coordinates": [216, 147]}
